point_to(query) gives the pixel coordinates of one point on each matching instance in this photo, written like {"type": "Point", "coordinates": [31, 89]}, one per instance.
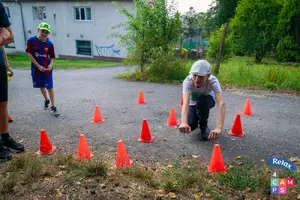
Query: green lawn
{"type": "Point", "coordinates": [242, 71]}
{"type": "Point", "coordinates": [24, 62]}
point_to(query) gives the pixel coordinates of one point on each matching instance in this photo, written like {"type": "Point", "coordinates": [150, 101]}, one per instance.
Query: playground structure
{"type": "Point", "coordinates": [192, 48]}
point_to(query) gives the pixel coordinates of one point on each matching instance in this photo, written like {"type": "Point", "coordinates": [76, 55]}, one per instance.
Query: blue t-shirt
{"type": "Point", "coordinates": [42, 53]}
{"type": "Point", "coordinates": [4, 23]}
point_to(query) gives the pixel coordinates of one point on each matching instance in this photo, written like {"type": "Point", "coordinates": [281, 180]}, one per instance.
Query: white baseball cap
{"type": "Point", "coordinates": [200, 68]}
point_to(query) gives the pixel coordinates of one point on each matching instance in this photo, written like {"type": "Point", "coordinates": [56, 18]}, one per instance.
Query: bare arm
{"type": "Point", "coordinates": [214, 134]}
{"type": "Point", "coordinates": [6, 61]}
{"type": "Point", "coordinates": [41, 68]}
{"type": "Point", "coordinates": [10, 39]}
{"type": "Point", "coordinates": [51, 62]}
{"type": "Point", "coordinates": [185, 108]}
{"type": "Point", "coordinates": [221, 111]}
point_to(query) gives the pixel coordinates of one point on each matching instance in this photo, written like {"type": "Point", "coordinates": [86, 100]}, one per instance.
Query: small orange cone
{"type": "Point", "coordinates": [172, 119]}
{"type": "Point", "coordinates": [216, 163]}
{"type": "Point", "coordinates": [236, 129]}
{"type": "Point", "coordinates": [46, 147]}
{"type": "Point", "coordinates": [141, 99]}
{"type": "Point", "coordinates": [83, 149]}
{"type": "Point", "coordinates": [145, 133]}
{"type": "Point", "coordinates": [181, 102]}
{"type": "Point", "coordinates": [10, 119]}
{"type": "Point", "coordinates": [247, 108]}
{"type": "Point", "coordinates": [97, 115]}
{"type": "Point", "coordinates": [122, 159]}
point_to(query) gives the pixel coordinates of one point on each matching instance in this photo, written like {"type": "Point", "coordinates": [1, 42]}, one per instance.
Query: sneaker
{"type": "Point", "coordinates": [54, 111]}
{"type": "Point", "coordinates": [47, 102]}
{"type": "Point", "coordinates": [5, 155]}
{"type": "Point", "coordinates": [205, 132]}
{"type": "Point", "coordinates": [12, 145]}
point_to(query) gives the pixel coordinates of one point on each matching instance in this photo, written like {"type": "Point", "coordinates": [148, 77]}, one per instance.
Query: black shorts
{"type": "Point", "coordinates": [3, 84]}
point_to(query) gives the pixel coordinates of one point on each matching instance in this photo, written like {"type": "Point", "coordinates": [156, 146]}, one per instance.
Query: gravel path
{"type": "Point", "coordinates": [273, 130]}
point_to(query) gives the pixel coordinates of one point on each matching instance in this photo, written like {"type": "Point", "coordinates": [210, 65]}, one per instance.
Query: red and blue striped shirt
{"type": "Point", "coordinates": [42, 52]}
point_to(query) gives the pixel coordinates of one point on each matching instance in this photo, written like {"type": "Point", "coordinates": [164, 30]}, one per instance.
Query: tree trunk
{"type": "Point", "coordinates": [221, 49]}
{"type": "Point", "coordinates": [258, 56]}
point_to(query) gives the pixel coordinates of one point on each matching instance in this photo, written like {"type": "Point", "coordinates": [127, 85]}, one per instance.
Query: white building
{"type": "Point", "coordinates": [79, 28]}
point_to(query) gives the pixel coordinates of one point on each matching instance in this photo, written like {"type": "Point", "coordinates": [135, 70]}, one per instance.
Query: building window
{"type": "Point", "coordinates": [84, 47]}
{"type": "Point", "coordinates": [83, 13]}
{"type": "Point", "coordinates": [39, 12]}
{"type": "Point", "coordinates": [7, 11]}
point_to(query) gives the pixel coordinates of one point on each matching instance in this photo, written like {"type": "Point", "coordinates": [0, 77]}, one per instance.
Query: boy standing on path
{"type": "Point", "coordinates": [200, 91]}
{"type": "Point", "coordinates": [41, 53]}
{"type": "Point", "coordinates": [7, 144]}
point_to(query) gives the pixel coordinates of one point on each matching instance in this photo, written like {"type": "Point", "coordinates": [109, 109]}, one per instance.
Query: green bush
{"type": "Point", "coordinates": [214, 45]}
{"type": "Point", "coordinates": [163, 65]}
{"type": "Point", "coordinates": [287, 50]}
{"type": "Point", "coordinates": [271, 85]}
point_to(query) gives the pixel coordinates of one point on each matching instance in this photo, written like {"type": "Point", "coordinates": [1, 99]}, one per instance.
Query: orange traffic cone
{"type": "Point", "coordinates": [172, 119]}
{"type": "Point", "coordinates": [141, 99]}
{"type": "Point", "coordinates": [122, 159]}
{"type": "Point", "coordinates": [10, 119]}
{"type": "Point", "coordinates": [216, 163]}
{"type": "Point", "coordinates": [247, 108]}
{"type": "Point", "coordinates": [236, 129]}
{"type": "Point", "coordinates": [181, 102]}
{"type": "Point", "coordinates": [83, 149]}
{"type": "Point", "coordinates": [46, 147]}
{"type": "Point", "coordinates": [97, 115]}
{"type": "Point", "coordinates": [145, 133]}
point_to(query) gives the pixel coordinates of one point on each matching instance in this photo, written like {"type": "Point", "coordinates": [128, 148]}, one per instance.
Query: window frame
{"type": "Point", "coordinates": [37, 13]}
{"type": "Point", "coordinates": [91, 47]}
{"type": "Point", "coordinates": [85, 12]}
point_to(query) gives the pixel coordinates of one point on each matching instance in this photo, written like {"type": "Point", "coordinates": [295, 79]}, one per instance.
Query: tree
{"type": "Point", "coordinates": [288, 47]}
{"type": "Point", "coordinates": [147, 29]}
{"type": "Point", "coordinates": [225, 11]}
{"type": "Point", "coordinates": [214, 45]}
{"type": "Point", "coordinates": [254, 24]}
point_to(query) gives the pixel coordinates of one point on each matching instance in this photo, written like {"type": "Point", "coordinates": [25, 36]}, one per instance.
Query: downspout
{"type": "Point", "coordinates": [23, 25]}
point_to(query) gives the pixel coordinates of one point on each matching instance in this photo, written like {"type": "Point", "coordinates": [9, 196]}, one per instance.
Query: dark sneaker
{"type": "Point", "coordinates": [205, 132]}
{"type": "Point", "coordinates": [54, 111]}
{"type": "Point", "coordinates": [46, 106]}
{"type": "Point", "coordinates": [12, 145]}
{"type": "Point", "coordinates": [5, 155]}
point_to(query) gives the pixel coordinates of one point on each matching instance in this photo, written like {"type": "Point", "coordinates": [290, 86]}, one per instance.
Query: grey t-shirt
{"type": "Point", "coordinates": [211, 87]}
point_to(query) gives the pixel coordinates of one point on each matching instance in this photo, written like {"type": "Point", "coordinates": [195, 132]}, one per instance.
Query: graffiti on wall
{"type": "Point", "coordinates": [108, 51]}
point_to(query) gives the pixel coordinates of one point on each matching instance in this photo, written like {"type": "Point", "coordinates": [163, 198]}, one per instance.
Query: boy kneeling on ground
{"type": "Point", "coordinates": [200, 92]}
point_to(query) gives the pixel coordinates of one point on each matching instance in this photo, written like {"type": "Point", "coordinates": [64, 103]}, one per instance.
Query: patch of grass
{"type": "Point", "coordinates": [33, 168]}
{"type": "Point", "coordinates": [24, 62]}
{"type": "Point", "coordinates": [141, 174]}
{"type": "Point", "coordinates": [6, 187]}
{"type": "Point", "coordinates": [243, 176]}
{"type": "Point", "coordinates": [241, 71]}
{"type": "Point", "coordinates": [95, 169]}
{"type": "Point", "coordinates": [31, 176]}
{"type": "Point", "coordinates": [183, 176]}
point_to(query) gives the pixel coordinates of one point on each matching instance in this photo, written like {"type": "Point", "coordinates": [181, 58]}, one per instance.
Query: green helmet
{"type": "Point", "coordinates": [45, 26]}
